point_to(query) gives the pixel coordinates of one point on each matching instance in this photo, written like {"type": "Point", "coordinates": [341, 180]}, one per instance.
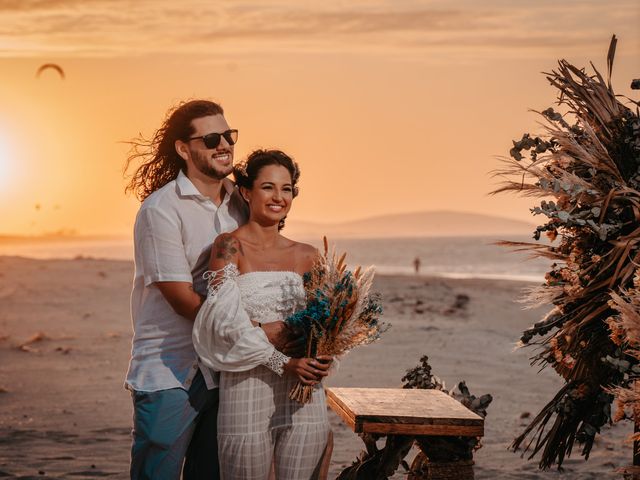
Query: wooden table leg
{"type": "Point", "coordinates": [378, 464]}
{"type": "Point", "coordinates": [443, 458]}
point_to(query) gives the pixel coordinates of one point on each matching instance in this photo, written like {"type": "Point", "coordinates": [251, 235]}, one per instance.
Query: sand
{"type": "Point", "coordinates": [64, 348]}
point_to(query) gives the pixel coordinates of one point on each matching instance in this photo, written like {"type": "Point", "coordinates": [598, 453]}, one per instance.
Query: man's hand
{"type": "Point", "coordinates": [278, 334]}
{"type": "Point", "coordinates": [284, 338]}
{"type": "Point", "coordinates": [296, 346]}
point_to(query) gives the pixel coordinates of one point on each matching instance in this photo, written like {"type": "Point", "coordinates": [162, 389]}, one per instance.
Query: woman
{"type": "Point", "coordinates": [256, 277]}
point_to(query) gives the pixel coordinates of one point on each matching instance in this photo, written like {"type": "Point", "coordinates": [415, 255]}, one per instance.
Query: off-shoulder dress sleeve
{"type": "Point", "coordinates": [223, 335]}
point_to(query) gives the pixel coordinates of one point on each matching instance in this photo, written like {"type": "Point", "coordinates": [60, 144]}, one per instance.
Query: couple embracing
{"type": "Point", "coordinates": [212, 361]}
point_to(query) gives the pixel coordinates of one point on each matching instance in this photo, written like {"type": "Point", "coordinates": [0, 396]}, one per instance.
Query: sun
{"type": "Point", "coordinates": [5, 162]}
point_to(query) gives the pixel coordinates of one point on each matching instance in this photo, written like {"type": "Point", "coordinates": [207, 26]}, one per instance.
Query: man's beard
{"type": "Point", "coordinates": [201, 162]}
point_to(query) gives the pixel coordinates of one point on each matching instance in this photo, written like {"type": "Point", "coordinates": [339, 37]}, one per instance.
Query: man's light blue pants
{"type": "Point", "coordinates": [172, 426]}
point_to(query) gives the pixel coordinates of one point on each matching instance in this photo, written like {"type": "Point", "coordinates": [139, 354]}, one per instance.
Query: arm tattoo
{"type": "Point", "coordinates": [227, 248]}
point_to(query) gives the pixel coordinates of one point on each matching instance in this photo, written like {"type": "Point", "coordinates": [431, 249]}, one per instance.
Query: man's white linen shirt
{"type": "Point", "coordinates": [173, 234]}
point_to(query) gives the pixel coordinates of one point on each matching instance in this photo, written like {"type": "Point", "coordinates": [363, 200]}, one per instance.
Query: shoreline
{"type": "Point", "coordinates": [385, 272]}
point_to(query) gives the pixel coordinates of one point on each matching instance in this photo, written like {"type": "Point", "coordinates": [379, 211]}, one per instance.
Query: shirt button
{"type": "Point", "coordinates": [195, 367]}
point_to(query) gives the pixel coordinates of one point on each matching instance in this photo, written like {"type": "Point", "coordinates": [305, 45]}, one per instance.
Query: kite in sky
{"type": "Point", "coordinates": [52, 66]}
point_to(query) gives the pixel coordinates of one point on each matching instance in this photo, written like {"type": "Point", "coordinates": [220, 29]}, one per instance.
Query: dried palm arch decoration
{"type": "Point", "coordinates": [587, 161]}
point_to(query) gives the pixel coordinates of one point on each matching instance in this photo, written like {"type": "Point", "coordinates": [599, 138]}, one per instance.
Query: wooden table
{"type": "Point", "coordinates": [428, 415]}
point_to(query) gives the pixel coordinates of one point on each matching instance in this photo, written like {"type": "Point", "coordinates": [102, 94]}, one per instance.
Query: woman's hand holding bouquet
{"type": "Point", "coordinates": [309, 371]}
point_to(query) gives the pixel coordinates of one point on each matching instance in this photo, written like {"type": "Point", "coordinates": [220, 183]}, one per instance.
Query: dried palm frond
{"type": "Point", "coordinates": [587, 161]}
{"type": "Point", "coordinates": [625, 332]}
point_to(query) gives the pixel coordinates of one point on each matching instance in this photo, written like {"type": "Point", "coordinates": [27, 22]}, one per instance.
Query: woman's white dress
{"type": "Point", "coordinates": [257, 422]}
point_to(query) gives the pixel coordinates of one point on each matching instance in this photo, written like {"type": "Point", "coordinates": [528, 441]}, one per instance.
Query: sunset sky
{"type": "Point", "coordinates": [388, 105]}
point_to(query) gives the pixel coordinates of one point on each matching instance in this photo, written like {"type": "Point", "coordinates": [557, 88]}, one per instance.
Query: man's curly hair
{"type": "Point", "coordinates": [160, 163]}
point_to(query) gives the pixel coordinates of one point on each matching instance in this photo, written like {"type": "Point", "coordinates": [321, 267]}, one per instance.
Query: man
{"type": "Point", "coordinates": [187, 202]}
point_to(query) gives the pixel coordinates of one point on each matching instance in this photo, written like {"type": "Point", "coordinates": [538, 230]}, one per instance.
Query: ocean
{"type": "Point", "coordinates": [451, 257]}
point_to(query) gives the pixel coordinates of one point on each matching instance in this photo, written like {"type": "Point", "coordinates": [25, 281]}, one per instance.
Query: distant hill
{"type": "Point", "coordinates": [417, 224]}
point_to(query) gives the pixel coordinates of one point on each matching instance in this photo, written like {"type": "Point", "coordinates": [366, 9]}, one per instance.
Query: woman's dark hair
{"type": "Point", "coordinates": [245, 173]}
{"type": "Point", "coordinates": [160, 161]}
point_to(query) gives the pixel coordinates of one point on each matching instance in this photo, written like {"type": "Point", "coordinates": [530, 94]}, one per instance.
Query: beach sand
{"type": "Point", "coordinates": [65, 335]}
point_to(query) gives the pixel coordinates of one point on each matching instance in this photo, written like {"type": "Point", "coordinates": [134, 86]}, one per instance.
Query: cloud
{"type": "Point", "coordinates": [123, 28]}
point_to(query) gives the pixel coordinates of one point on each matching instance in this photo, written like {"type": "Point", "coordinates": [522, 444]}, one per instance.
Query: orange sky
{"type": "Point", "coordinates": [388, 105]}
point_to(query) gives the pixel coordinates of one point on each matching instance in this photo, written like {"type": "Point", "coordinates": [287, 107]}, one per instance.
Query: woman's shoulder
{"type": "Point", "coordinates": [227, 248]}
{"type": "Point", "coordinates": [305, 255]}
{"type": "Point", "coordinates": [300, 248]}
{"type": "Point", "coordinates": [306, 249]}
{"type": "Point", "coordinates": [226, 239]}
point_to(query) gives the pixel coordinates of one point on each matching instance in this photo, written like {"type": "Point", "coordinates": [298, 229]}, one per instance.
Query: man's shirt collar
{"type": "Point", "coordinates": [187, 188]}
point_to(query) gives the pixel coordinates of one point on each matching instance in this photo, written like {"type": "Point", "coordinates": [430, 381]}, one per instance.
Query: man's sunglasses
{"type": "Point", "coordinates": [212, 140]}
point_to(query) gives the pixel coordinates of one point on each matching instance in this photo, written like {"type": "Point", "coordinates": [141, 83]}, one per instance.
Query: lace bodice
{"type": "Point", "coordinates": [269, 296]}
{"type": "Point", "coordinates": [223, 334]}
{"type": "Point", "coordinates": [266, 296]}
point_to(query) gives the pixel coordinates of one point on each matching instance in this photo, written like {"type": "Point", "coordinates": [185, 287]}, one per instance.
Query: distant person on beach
{"type": "Point", "coordinates": [186, 202]}
{"type": "Point", "coordinates": [416, 265]}
{"type": "Point", "coordinates": [255, 278]}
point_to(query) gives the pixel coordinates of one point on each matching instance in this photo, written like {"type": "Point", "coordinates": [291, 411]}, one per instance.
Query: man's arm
{"type": "Point", "coordinates": [182, 298]}
{"type": "Point", "coordinates": [163, 259]}
{"type": "Point", "coordinates": [186, 302]}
